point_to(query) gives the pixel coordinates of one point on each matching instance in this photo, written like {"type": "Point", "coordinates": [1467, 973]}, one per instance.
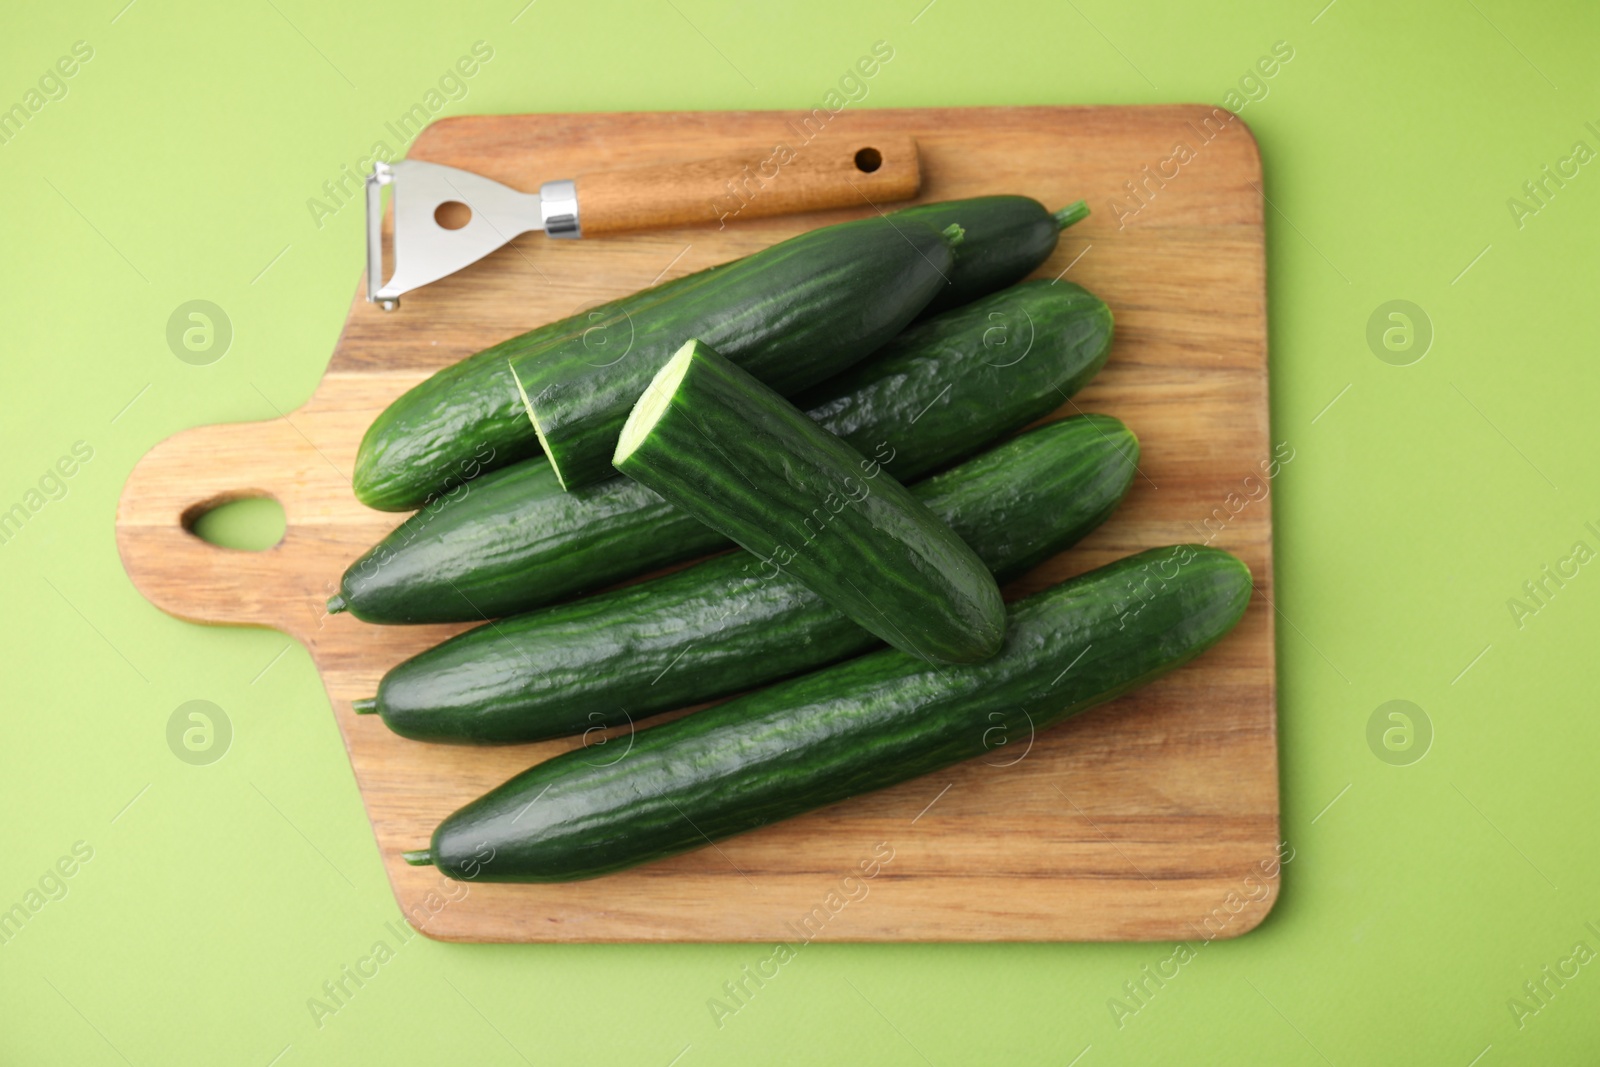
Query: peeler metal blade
{"type": "Point", "coordinates": [425, 249]}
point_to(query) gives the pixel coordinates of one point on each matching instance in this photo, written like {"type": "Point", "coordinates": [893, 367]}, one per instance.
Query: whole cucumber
{"type": "Point", "coordinates": [513, 540]}
{"type": "Point", "coordinates": [712, 439]}
{"type": "Point", "coordinates": [858, 726]}
{"type": "Point", "coordinates": [724, 625]}
{"type": "Point", "coordinates": [468, 419]}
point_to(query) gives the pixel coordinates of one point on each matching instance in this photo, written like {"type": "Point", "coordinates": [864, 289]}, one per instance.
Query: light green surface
{"type": "Point", "coordinates": [220, 897]}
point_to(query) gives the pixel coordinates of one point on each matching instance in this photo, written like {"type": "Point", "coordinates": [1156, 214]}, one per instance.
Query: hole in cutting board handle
{"type": "Point", "coordinates": [868, 160]}
{"type": "Point", "coordinates": [247, 522]}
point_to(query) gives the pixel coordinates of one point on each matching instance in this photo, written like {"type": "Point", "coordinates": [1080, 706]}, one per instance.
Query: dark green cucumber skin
{"type": "Point", "coordinates": [743, 460]}
{"type": "Point", "coordinates": [512, 540]}
{"type": "Point", "coordinates": [515, 540]}
{"type": "Point", "coordinates": [858, 726]}
{"type": "Point", "coordinates": [790, 316]}
{"type": "Point", "coordinates": [1019, 235]}
{"type": "Point", "coordinates": [720, 627]}
{"type": "Point", "coordinates": [467, 419]}
{"type": "Point", "coordinates": [1023, 351]}
{"type": "Point", "coordinates": [437, 435]}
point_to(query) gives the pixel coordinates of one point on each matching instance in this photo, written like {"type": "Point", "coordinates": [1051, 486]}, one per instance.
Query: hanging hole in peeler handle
{"type": "Point", "coordinates": [452, 215]}
{"type": "Point", "coordinates": [868, 160]}
{"type": "Point", "coordinates": [247, 522]}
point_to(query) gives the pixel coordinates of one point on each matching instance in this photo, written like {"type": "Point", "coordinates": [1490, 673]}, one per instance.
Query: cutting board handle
{"type": "Point", "coordinates": [192, 472]}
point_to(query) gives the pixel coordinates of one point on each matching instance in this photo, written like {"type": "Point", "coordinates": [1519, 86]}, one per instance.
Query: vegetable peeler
{"type": "Point", "coordinates": [446, 218]}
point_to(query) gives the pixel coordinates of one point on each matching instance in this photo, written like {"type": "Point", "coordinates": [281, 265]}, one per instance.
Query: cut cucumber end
{"type": "Point", "coordinates": [527, 405]}
{"type": "Point", "coordinates": [337, 603]}
{"type": "Point", "coordinates": [1071, 213]}
{"type": "Point", "coordinates": [420, 857]}
{"type": "Point", "coordinates": [365, 706]}
{"type": "Point", "coordinates": [652, 403]}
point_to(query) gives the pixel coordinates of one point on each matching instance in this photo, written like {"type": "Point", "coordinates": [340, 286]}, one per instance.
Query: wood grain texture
{"type": "Point", "coordinates": [1149, 818]}
{"type": "Point", "coordinates": [779, 180]}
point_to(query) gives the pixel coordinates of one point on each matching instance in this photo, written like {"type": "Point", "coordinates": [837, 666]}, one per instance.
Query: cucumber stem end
{"type": "Point", "coordinates": [420, 857]}
{"type": "Point", "coordinates": [337, 603]}
{"type": "Point", "coordinates": [1072, 213]}
{"type": "Point", "coordinates": [365, 706]}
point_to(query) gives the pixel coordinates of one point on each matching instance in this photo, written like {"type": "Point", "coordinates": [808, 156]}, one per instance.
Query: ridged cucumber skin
{"type": "Point", "coordinates": [743, 460]}
{"type": "Point", "coordinates": [1016, 355]}
{"type": "Point", "coordinates": [437, 435]}
{"type": "Point", "coordinates": [790, 316]}
{"type": "Point", "coordinates": [1019, 235]}
{"type": "Point", "coordinates": [862, 725]}
{"type": "Point", "coordinates": [720, 627]}
{"type": "Point", "coordinates": [513, 540]}
{"type": "Point", "coordinates": [467, 418]}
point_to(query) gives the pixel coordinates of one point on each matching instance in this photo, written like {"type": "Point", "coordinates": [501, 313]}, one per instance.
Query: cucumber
{"type": "Point", "coordinates": [789, 316]}
{"type": "Point", "coordinates": [512, 540]}
{"type": "Point", "coordinates": [838, 293]}
{"type": "Point", "coordinates": [861, 725]}
{"type": "Point", "coordinates": [719, 627]}
{"type": "Point", "coordinates": [1019, 235]}
{"type": "Point", "coordinates": [1024, 351]}
{"type": "Point", "coordinates": [712, 439]}
{"type": "Point", "coordinates": [468, 418]}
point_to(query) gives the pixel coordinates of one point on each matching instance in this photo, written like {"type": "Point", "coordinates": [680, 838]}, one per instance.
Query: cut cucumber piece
{"type": "Point", "coordinates": [728, 450]}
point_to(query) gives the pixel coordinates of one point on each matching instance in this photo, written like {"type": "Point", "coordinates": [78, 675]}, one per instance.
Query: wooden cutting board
{"type": "Point", "coordinates": [1155, 817]}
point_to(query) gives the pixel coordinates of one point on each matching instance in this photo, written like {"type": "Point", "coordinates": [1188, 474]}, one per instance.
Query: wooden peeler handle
{"type": "Point", "coordinates": [783, 180]}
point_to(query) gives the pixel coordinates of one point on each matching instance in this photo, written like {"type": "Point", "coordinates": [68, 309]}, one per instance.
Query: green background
{"type": "Point", "coordinates": [1421, 897]}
